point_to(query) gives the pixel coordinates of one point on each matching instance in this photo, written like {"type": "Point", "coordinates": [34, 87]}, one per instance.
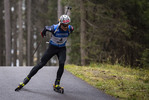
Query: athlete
{"type": "Point", "coordinates": [57, 43]}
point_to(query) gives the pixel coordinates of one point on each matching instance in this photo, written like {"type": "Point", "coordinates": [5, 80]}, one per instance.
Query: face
{"type": "Point", "coordinates": [64, 27]}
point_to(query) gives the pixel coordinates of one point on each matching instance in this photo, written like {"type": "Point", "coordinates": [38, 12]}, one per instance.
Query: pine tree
{"type": "Point", "coordinates": [7, 32]}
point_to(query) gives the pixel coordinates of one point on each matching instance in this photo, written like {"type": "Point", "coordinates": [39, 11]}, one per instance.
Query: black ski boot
{"type": "Point", "coordinates": [22, 84]}
{"type": "Point", "coordinates": [57, 88]}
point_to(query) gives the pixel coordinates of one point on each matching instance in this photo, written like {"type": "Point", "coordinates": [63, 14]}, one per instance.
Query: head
{"type": "Point", "coordinates": [64, 22]}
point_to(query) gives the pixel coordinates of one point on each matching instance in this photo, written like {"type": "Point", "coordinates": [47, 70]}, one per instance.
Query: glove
{"type": "Point", "coordinates": [43, 33]}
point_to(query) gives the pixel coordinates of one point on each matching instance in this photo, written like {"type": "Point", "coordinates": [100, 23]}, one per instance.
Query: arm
{"type": "Point", "coordinates": [47, 28]}
{"type": "Point", "coordinates": [71, 28]}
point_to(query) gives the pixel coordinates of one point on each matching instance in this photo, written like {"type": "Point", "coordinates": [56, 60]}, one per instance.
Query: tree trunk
{"type": "Point", "coordinates": [20, 34]}
{"type": "Point", "coordinates": [82, 33]}
{"type": "Point", "coordinates": [1, 44]}
{"type": "Point", "coordinates": [29, 55]}
{"type": "Point", "coordinates": [2, 48]}
{"type": "Point", "coordinates": [8, 32]}
{"type": "Point", "coordinates": [14, 36]}
{"type": "Point", "coordinates": [60, 10]}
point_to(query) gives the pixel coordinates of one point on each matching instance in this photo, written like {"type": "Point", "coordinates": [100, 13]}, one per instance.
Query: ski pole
{"type": "Point", "coordinates": [37, 48]}
{"type": "Point", "coordinates": [68, 8]}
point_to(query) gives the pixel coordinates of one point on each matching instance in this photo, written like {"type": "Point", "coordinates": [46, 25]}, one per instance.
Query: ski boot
{"type": "Point", "coordinates": [22, 84]}
{"type": "Point", "coordinates": [57, 88]}
{"type": "Point", "coordinates": [19, 86]}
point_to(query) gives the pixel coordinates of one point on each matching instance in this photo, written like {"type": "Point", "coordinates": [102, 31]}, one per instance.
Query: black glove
{"type": "Point", "coordinates": [43, 33]}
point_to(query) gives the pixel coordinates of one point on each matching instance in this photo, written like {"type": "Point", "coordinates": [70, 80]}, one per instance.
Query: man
{"type": "Point", "coordinates": [60, 32]}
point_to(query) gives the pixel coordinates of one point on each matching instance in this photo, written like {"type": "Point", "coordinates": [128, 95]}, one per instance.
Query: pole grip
{"type": "Point", "coordinates": [68, 8]}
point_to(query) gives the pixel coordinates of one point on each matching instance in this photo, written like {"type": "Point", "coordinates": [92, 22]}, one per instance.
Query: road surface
{"type": "Point", "coordinates": [40, 86]}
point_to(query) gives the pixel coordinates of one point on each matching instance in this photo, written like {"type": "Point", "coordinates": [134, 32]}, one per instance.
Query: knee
{"type": "Point", "coordinates": [40, 65]}
{"type": "Point", "coordinates": [62, 61]}
{"type": "Point", "coordinates": [61, 65]}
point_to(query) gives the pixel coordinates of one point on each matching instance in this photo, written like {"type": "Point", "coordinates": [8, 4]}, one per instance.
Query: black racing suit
{"type": "Point", "coordinates": [56, 47]}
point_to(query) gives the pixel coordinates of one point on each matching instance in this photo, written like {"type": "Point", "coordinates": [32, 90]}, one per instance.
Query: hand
{"type": "Point", "coordinates": [43, 33]}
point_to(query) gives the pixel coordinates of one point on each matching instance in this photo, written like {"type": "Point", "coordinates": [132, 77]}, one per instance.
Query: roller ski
{"type": "Point", "coordinates": [58, 89]}
{"type": "Point", "coordinates": [22, 84]}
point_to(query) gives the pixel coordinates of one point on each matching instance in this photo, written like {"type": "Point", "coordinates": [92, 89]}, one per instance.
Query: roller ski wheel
{"type": "Point", "coordinates": [58, 89]}
{"type": "Point", "coordinates": [20, 86]}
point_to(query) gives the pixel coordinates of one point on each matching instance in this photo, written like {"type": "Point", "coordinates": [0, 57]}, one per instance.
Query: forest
{"type": "Point", "coordinates": [105, 31]}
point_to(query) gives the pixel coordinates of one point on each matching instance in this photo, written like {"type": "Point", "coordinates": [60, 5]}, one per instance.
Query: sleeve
{"type": "Point", "coordinates": [71, 28]}
{"type": "Point", "coordinates": [50, 28]}
{"type": "Point", "coordinates": [47, 28]}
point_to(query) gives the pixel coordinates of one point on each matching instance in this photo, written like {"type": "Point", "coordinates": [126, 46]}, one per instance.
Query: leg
{"type": "Point", "coordinates": [62, 57]}
{"type": "Point", "coordinates": [45, 58]}
{"type": "Point", "coordinates": [47, 55]}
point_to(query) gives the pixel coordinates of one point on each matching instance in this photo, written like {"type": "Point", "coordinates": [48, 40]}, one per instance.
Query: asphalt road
{"type": "Point", "coordinates": [40, 86]}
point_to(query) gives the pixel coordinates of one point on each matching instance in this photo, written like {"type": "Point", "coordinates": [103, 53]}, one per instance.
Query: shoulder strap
{"type": "Point", "coordinates": [57, 28]}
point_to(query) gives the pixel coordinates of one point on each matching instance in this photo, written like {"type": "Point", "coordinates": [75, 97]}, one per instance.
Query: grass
{"type": "Point", "coordinates": [121, 82]}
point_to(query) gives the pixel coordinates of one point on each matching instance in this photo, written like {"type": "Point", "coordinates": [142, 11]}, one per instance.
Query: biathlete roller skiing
{"type": "Point", "coordinates": [57, 43]}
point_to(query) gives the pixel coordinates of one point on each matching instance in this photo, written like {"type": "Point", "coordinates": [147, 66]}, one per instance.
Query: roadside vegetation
{"type": "Point", "coordinates": [124, 83]}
